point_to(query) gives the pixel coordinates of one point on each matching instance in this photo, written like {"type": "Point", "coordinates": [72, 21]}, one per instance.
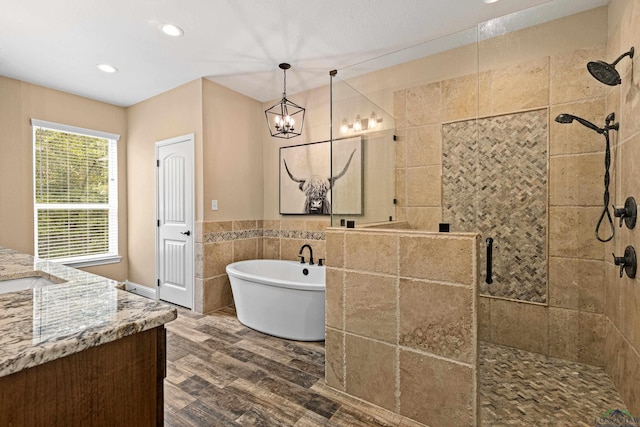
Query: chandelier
{"type": "Point", "coordinates": [285, 118]}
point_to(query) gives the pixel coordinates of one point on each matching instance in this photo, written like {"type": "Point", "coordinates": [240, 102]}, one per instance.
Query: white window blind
{"type": "Point", "coordinates": [75, 194]}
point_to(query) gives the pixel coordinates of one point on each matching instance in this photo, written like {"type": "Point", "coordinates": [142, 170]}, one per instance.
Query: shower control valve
{"type": "Point", "coordinates": [628, 213]}
{"type": "Point", "coordinates": [628, 263]}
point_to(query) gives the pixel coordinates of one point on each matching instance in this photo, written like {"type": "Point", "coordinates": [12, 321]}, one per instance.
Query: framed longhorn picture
{"type": "Point", "coordinates": [307, 184]}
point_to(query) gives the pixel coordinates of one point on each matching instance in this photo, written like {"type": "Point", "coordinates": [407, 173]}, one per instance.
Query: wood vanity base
{"type": "Point", "coordinates": [115, 384]}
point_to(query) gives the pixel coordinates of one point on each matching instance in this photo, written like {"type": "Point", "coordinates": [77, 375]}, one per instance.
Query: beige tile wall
{"type": "Point", "coordinates": [572, 324]}
{"type": "Point", "coordinates": [622, 295]}
{"type": "Point", "coordinates": [401, 321]}
{"type": "Point", "coordinates": [219, 243]}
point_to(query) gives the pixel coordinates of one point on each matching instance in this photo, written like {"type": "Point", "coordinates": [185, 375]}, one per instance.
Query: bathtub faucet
{"type": "Point", "coordinates": [310, 254]}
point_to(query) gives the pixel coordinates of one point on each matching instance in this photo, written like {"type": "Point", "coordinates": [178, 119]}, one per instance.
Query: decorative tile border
{"type": "Point", "coordinates": [228, 236]}
{"type": "Point", "coordinates": [298, 234]}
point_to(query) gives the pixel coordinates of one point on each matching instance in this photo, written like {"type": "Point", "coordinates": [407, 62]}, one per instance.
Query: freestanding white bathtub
{"type": "Point", "coordinates": [281, 298]}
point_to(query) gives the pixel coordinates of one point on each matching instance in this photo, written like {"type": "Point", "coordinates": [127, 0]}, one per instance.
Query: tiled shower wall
{"type": "Point", "coordinates": [568, 319]}
{"type": "Point", "coordinates": [622, 308]}
{"type": "Point", "coordinates": [219, 243]}
{"type": "Point", "coordinates": [401, 321]}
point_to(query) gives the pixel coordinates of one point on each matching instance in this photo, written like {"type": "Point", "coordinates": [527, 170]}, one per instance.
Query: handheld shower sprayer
{"type": "Point", "coordinates": [569, 118]}
{"type": "Point", "coordinates": [609, 124]}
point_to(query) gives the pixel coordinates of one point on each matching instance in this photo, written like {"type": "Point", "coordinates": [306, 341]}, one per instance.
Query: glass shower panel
{"type": "Point", "coordinates": [519, 60]}
{"type": "Point", "coordinates": [424, 88]}
{"type": "Point", "coordinates": [532, 69]}
{"type": "Point", "coordinates": [362, 158]}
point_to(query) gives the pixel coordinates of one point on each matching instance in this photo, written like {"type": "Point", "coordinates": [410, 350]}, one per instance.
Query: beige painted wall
{"type": "Point", "coordinates": [19, 103]}
{"type": "Point", "coordinates": [232, 149]}
{"type": "Point", "coordinates": [173, 113]}
{"type": "Point", "coordinates": [228, 160]}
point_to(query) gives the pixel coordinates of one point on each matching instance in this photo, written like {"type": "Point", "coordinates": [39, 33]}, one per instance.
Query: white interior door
{"type": "Point", "coordinates": [175, 212]}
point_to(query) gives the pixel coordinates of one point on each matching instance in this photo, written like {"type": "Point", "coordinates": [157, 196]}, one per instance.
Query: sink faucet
{"type": "Point", "coordinates": [310, 254]}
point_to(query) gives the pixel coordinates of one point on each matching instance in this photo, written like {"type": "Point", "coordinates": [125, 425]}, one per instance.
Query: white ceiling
{"type": "Point", "coordinates": [236, 43]}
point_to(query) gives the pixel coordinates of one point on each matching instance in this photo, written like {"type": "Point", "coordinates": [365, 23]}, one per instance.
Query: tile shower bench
{"type": "Point", "coordinates": [78, 351]}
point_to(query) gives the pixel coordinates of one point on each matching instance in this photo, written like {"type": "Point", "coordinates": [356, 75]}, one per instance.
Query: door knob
{"type": "Point", "coordinates": [186, 233]}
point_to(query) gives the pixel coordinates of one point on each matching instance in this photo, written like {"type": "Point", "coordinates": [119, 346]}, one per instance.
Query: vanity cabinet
{"type": "Point", "coordinates": [119, 383]}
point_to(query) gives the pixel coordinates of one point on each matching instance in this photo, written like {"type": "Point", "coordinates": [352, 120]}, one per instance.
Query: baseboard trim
{"type": "Point", "coordinates": [138, 289]}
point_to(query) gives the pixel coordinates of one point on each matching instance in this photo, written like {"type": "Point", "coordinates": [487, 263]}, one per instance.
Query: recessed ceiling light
{"type": "Point", "coordinates": [107, 68]}
{"type": "Point", "coordinates": [172, 30]}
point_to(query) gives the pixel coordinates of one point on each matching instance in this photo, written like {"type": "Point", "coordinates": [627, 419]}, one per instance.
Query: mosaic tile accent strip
{"type": "Point", "coordinates": [529, 389]}
{"type": "Point", "coordinates": [271, 233]}
{"type": "Point", "coordinates": [459, 171]}
{"type": "Point", "coordinates": [499, 188]}
{"type": "Point", "coordinates": [227, 236]}
{"type": "Point", "coordinates": [306, 235]}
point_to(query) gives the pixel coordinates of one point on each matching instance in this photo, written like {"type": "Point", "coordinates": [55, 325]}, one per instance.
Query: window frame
{"type": "Point", "coordinates": [112, 255]}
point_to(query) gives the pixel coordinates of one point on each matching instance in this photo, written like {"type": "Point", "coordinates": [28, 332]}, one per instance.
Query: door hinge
{"type": "Point", "coordinates": [158, 163]}
{"type": "Point", "coordinates": [158, 282]}
{"type": "Point", "coordinates": [158, 223]}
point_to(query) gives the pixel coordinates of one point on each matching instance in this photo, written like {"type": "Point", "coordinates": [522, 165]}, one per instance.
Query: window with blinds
{"type": "Point", "coordinates": [75, 194]}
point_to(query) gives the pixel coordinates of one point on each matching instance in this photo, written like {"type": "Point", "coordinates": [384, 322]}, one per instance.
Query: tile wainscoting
{"type": "Point", "coordinates": [219, 243]}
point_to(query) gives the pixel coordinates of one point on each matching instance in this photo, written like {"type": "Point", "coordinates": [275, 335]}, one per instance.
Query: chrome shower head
{"type": "Point", "coordinates": [569, 118]}
{"type": "Point", "coordinates": [607, 73]}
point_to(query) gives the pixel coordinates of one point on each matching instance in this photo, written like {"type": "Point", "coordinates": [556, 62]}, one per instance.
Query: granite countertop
{"type": "Point", "coordinates": [79, 311]}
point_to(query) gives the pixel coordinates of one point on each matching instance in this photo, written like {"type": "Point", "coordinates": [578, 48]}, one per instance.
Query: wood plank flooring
{"type": "Point", "coordinates": [221, 373]}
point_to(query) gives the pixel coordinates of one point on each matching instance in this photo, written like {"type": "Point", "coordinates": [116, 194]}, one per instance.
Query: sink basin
{"type": "Point", "coordinates": [23, 283]}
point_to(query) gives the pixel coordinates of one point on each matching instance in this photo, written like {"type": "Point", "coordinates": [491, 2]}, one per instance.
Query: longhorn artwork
{"type": "Point", "coordinates": [306, 182]}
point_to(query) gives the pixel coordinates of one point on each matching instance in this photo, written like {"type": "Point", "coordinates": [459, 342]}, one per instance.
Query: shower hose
{"type": "Point", "coordinates": [605, 211]}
